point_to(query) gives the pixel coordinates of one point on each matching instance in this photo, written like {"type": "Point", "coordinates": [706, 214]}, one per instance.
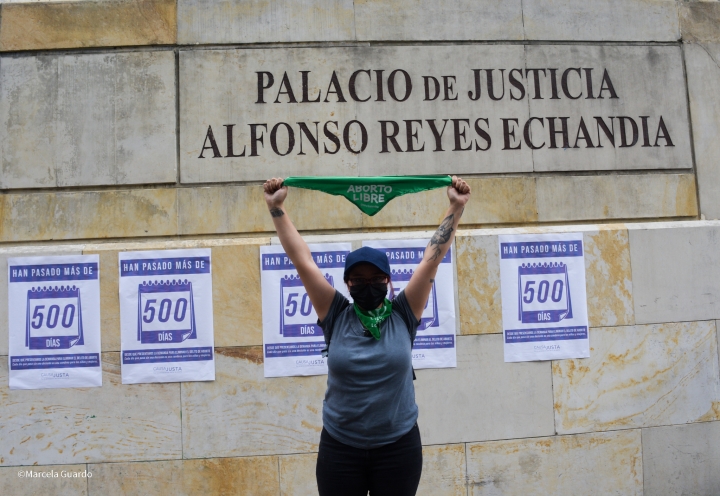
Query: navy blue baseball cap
{"type": "Point", "coordinates": [367, 255]}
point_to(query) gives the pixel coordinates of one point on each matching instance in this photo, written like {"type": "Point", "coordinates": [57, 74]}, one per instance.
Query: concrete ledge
{"type": "Point", "coordinates": [624, 196]}
{"type": "Point", "coordinates": [88, 214]}
{"type": "Point", "coordinates": [220, 210]}
{"type": "Point", "coordinates": [44, 26]}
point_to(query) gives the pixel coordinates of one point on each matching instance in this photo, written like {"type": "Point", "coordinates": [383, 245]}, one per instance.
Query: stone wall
{"type": "Point", "coordinates": [103, 109]}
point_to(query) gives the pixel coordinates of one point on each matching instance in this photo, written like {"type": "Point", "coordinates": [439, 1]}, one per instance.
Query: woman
{"type": "Point", "coordinates": [370, 439]}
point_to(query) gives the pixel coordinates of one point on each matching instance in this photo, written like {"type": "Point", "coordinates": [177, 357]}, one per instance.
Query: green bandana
{"type": "Point", "coordinates": [371, 320]}
{"type": "Point", "coordinates": [370, 194]}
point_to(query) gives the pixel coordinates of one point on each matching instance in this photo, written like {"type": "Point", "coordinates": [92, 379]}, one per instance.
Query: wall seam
{"type": "Point", "coordinates": [690, 130]}
{"type": "Point", "coordinates": [717, 340]}
{"type": "Point", "coordinates": [332, 44]}
{"type": "Point", "coordinates": [642, 457]}
{"type": "Point", "coordinates": [178, 218]}
{"type": "Point", "coordinates": [182, 436]}
{"type": "Point", "coordinates": [611, 173]}
{"type": "Point", "coordinates": [467, 473]}
{"type": "Point", "coordinates": [355, 38]}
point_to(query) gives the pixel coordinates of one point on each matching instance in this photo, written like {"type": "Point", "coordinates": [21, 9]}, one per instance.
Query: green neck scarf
{"type": "Point", "coordinates": [370, 194]}
{"type": "Point", "coordinates": [372, 319]}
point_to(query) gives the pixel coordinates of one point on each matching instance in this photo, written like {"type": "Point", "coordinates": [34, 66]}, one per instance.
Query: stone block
{"type": "Point", "coordinates": [462, 148]}
{"type": "Point", "coordinates": [608, 277]}
{"type": "Point", "coordinates": [639, 376]}
{"type": "Point", "coordinates": [675, 272]}
{"type": "Point", "coordinates": [247, 476]}
{"type": "Point", "coordinates": [88, 119]}
{"type": "Point", "coordinates": [608, 197]}
{"type": "Point", "coordinates": [28, 91]}
{"type": "Point", "coordinates": [56, 485]}
{"type": "Point", "coordinates": [484, 398]}
{"type": "Point", "coordinates": [109, 298]}
{"type": "Point", "coordinates": [116, 119]}
{"type": "Point", "coordinates": [585, 93]}
{"type": "Point", "coordinates": [226, 21]}
{"type": "Point", "coordinates": [495, 200]}
{"type": "Point", "coordinates": [297, 474]}
{"type": "Point", "coordinates": [237, 300]}
{"type": "Point", "coordinates": [114, 422]}
{"type": "Point", "coordinates": [443, 472]}
{"type": "Point", "coordinates": [607, 273]}
{"type": "Point", "coordinates": [699, 21]}
{"type": "Point", "coordinates": [243, 414]}
{"type": "Point", "coordinates": [88, 215]}
{"type": "Point", "coordinates": [682, 459]}
{"type": "Point", "coordinates": [589, 464]}
{"type": "Point", "coordinates": [702, 72]}
{"type": "Point", "coordinates": [601, 20]}
{"type": "Point", "coordinates": [238, 209]}
{"type": "Point", "coordinates": [24, 251]}
{"type": "Point", "coordinates": [78, 24]}
{"type": "Point", "coordinates": [224, 76]}
{"type": "Point", "coordinates": [421, 20]}
{"type": "Point", "coordinates": [478, 279]}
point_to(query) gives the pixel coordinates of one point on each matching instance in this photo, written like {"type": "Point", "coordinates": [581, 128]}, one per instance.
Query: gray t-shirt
{"type": "Point", "coordinates": [370, 397]}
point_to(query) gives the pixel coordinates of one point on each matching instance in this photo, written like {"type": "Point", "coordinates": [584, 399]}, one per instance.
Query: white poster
{"type": "Point", "coordinates": [292, 340]}
{"type": "Point", "coordinates": [54, 322]}
{"type": "Point", "coordinates": [434, 345]}
{"type": "Point", "coordinates": [544, 303]}
{"type": "Point", "coordinates": [166, 316]}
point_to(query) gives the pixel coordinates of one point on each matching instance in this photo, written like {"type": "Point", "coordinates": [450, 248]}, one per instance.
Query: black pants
{"type": "Point", "coordinates": [392, 470]}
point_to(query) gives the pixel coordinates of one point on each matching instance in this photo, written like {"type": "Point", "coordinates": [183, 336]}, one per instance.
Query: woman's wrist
{"type": "Point", "coordinates": [276, 210]}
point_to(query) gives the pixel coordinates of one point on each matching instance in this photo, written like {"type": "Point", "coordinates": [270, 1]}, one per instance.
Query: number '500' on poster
{"type": "Point", "coordinates": [54, 322]}
{"type": "Point", "coordinates": [166, 316]}
{"type": "Point", "coordinates": [544, 303]}
{"type": "Point", "coordinates": [292, 340]}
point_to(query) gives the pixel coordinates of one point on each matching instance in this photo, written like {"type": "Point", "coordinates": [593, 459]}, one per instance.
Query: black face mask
{"type": "Point", "coordinates": [369, 296]}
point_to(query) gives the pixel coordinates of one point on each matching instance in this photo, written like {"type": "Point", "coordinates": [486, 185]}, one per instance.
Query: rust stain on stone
{"type": "Point", "coordinates": [686, 196]}
{"type": "Point", "coordinates": [250, 353]}
{"type": "Point", "coordinates": [712, 414]}
{"type": "Point", "coordinates": [609, 286]}
{"type": "Point", "coordinates": [88, 24]}
{"type": "Point", "coordinates": [478, 287]}
{"type": "Point", "coordinates": [308, 425]}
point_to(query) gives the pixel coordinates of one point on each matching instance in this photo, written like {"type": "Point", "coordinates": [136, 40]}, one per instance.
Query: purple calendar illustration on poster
{"type": "Point", "coordinates": [297, 316]}
{"type": "Point", "coordinates": [166, 312]}
{"type": "Point", "coordinates": [429, 318]}
{"type": "Point", "coordinates": [54, 318]}
{"type": "Point", "coordinates": [543, 293]}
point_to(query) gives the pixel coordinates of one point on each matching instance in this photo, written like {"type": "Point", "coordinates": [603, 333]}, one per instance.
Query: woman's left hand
{"type": "Point", "coordinates": [459, 192]}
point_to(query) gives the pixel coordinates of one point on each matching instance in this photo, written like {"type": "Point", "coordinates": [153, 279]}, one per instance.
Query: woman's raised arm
{"type": "Point", "coordinates": [418, 289]}
{"type": "Point", "coordinates": [320, 291]}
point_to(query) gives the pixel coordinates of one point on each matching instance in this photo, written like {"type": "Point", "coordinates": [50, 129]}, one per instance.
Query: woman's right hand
{"type": "Point", "coordinates": [275, 192]}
